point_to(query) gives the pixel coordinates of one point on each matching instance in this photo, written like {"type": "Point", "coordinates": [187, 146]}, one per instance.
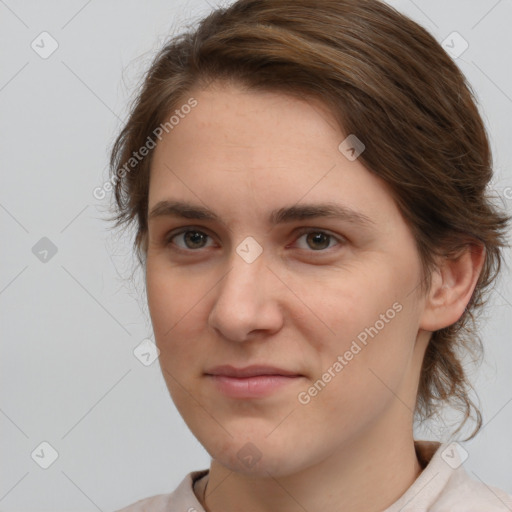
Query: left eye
{"type": "Point", "coordinates": [318, 240]}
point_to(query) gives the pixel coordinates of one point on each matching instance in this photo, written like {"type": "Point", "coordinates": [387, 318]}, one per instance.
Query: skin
{"type": "Point", "coordinates": [299, 305]}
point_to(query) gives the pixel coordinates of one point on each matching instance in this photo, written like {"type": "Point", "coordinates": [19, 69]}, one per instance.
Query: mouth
{"type": "Point", "coordinates": [251, 382]}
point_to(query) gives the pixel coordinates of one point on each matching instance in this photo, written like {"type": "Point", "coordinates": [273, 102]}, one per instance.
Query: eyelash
{"type": "Point", "coordinates": [304, 231]}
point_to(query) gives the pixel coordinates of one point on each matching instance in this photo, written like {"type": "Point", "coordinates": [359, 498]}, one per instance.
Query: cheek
{"type": "Point", "coordinates": [172, 296]}
{"type": "Point", "coordinates": [367, 349]}
{"type": "Point", "coordinates": [176, 304]}
{"type": "Point", "coordinates": [352, 307]}
{"type": "Point", "coordinates": [174, 307]}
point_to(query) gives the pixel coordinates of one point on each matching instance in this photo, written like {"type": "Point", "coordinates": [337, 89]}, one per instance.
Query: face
{"type": "Point", "coordinates": [333, 299]}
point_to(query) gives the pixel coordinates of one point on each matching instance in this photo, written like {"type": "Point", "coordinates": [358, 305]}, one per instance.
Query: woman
{"type": "Point", "coordinates": [308, 181]}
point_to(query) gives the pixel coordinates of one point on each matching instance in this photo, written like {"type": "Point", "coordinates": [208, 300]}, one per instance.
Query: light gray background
{"type": "Point", "coordinates": [70, 325]}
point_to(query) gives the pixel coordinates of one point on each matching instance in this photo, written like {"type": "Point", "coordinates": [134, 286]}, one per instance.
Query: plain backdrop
{"type": "Point", "coordinates": [71, 314]}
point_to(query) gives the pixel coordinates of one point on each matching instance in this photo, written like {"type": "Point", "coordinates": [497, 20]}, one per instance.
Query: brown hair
{"type": "Point", "coordinates": [385, 79]}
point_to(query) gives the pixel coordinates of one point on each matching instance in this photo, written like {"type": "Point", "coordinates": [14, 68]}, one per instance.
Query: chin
{"type": "Point", "coordinates": [259, 456]}
{"type": "Point", "coordinates": [277, 465]}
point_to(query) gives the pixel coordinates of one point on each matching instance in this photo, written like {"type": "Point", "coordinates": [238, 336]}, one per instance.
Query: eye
{"type": "Point", "coordinates": [193, 239]}
{"type": "Point", "coordinates": [318, 240]}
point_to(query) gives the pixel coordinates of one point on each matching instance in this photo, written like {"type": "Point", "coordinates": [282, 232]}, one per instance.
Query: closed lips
{"type": "Point", "coordinates": [250, 371]}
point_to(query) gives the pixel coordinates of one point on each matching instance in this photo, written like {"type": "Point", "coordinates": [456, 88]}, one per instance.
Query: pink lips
{"type": "Point", "coordinates": [250, 382]}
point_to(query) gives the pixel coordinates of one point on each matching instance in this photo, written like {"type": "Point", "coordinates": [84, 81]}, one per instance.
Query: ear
{"type": "Point", "coordinates": [453, 283]}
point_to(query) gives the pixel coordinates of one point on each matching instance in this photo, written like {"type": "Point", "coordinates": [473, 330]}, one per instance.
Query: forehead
{"type": "Point", "coordinates": [260, 151]}
{"type": "Point", "coordinates": [234, 121]}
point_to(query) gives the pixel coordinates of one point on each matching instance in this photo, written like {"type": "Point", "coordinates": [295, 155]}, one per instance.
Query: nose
{"type": "Point", "coordinates": [247, 302]}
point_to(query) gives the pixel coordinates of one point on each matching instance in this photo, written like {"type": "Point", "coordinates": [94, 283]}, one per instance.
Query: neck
{"type": "Point", "coordinates": [367, 474]}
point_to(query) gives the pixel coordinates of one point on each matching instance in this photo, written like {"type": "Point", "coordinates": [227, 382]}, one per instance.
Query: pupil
{"type": "Point", "coordinates": [196, 236]}
{"type": "Point", "coordinates": [316, 237]}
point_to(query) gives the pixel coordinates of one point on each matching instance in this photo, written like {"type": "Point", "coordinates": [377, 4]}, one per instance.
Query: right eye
{"type": "Point", "coordinates": [192, 239]}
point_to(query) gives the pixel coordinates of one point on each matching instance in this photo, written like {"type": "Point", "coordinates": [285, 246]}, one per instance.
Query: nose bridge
{"type": "Point", "coordinates": [243, 294]}
{"type": "Point", "coordinates": [246, 262]}
{"type": "Point", "coordinates": [247, 269]}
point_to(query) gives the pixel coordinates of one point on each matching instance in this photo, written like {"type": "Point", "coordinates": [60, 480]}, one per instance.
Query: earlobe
{"type": "Point", "coordinates": [453, 283]}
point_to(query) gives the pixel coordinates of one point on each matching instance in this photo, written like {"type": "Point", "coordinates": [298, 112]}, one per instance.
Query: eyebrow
{"type": "Point", "coordinates": [181, 209]}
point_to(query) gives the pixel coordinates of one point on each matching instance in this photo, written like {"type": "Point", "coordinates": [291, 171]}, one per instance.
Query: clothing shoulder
{"type": "Point", "coordinates": [182, 499]}
{"type": "Point", "coordinates": [465, 494]}
{"type": "Point", "coordinates": [445, 486]}
{"type": "Point", "coordinates": [159, 503]}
